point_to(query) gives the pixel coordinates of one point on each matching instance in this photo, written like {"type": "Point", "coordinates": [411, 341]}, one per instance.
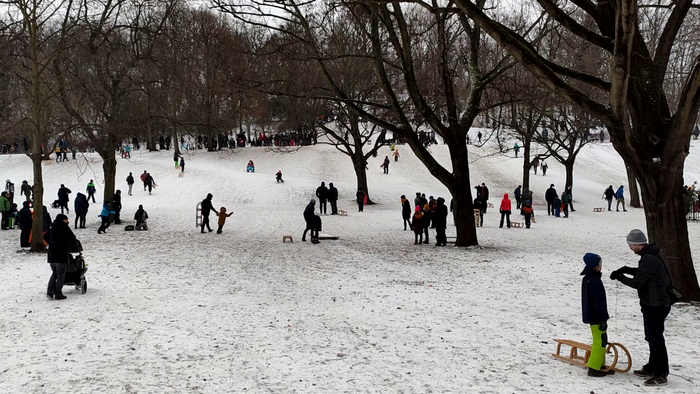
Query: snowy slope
{"type": "Point", "coordinates": [175, 311]}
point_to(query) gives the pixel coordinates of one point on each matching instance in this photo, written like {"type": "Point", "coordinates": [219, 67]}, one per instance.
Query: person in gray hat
{"type": "Point", "coordinates": [651, 281]}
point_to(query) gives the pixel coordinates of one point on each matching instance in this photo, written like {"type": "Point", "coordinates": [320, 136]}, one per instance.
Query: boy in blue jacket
{"type": "Point", "coordinates": [595, 313]}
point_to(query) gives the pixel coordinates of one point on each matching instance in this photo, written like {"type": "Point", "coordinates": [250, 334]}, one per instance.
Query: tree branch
{"type": "Point", "coordinates": [668, 37]}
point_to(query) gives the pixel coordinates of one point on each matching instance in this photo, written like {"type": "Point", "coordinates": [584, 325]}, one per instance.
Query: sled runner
{"type": "Point", "coordinates": [620, 355]}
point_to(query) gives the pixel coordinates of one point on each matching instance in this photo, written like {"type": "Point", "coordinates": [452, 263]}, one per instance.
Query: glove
{"type": "Point", "coordinates": [615, 275]}
{"type": "Point", "coordinates": [603, 326]}
{"type": "Point", "coordinates": [628, 270]}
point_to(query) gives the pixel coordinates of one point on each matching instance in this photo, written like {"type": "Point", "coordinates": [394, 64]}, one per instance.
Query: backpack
{"type": "Point", "coordinates": [527, 209]}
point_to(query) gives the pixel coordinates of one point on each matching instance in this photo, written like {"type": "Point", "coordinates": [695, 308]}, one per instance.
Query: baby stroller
{"type": "Point", "coordinates": [75, 273]}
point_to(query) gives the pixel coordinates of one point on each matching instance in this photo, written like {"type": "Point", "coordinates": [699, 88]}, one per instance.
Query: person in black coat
{"type": "Point", "coordinates": [480, 204]}
{"type": "Point", "coordinates": [45, 221]}
{"type": "Point", "coordinates": [333, 198]}
{"type": "Point", "coordinates": [406, 213]}
{"type": "Point", "coordinates": [117, 206]}
{"type": "Point", "coordinates": [206, 209]}
{"type": "Point", "coordinates": [609, 194]}
{"type": "Point", "coordinates": [141, 216]}
{"type": "Point", "coordinates": [595, 312]}
{"type": "Point", "coordinates": [309, 218]}
{"type": "Point", "coordinates": [440, 222]}
{"type": "Point", "coordinates": [360, 199]}
{"type": "Point", "coordinates": [322, 194]}
{"type": "Point", "coordinates": [652, 281]}
{"type": "Point", "coordinates": [80, 206]}
{"type": "Point", "coordinates": [25, 222]}
{"type": "Point", "coordinates": [130, 182]}
{"type": "Point", "coordinates": [63, 199]}
{"type": "Point", "coordinates": [60, 240]}
{"type": "Point", "coordinates": [550, 195]}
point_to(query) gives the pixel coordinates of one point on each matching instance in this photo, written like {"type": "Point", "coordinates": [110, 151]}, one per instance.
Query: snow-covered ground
{"type": "Point", "coordinates": [175, 311]}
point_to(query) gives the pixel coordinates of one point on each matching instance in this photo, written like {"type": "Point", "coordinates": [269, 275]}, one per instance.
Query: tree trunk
{"type": "Point", "coordinates": [569, 165]}
{"type": "Point", "coordinates": [151, 142]}
{"type": "Point", "coordinates": [527, 143]}
{"type": "Point", "coordinates": [666, 225]}
{"type": "Point", "coordinates": [176, 143]}
{"type": "Point", "coordinates": [464, 215]}
{"type": "Point", "coordinates": [633, 190]}
{"type": "Point", "coordinates": [37, 200]}
{"type": "Point", "coordinates": [109, 167]}
{"type": "Point", "coordinates": [359, 164]}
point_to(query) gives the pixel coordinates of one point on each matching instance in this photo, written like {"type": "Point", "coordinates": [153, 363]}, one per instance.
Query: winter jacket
{"type": "Point", "coordinates": [106, 211]}
{"type": "Point", "coordinates": [426, 216]}
{"type": "Point", "coordinates": [505, 204]}
{"type": "Point", "coordinates": [405, 209]}
{"type": "Point", "coordinates": [517, 193]}
{"type": "Point", "coordinates": [322, 193]}
{"type": "Point", "coordinates": [440, 215]}
{"type": "Point", "coordinates": [117, 202]}
{"type": "Point", "coordinates": [332, 194]}
{"type": "Point", "coordinates": [80, 204]}
{"type": "Point", "coordinates": [90, 188]}
{"type": "Point", "coordinates": [60, 240]}
{"type": "Point", "coordinates": [63, 194]}
{"type": "Point", "coordinates": [527, 210]}
{"type": "Point", "coordinates": [609, 193]}
{"type": "Point", "coordinates": [309, 214]}
{"type": "Point", "coordinates": [130, 180]}
{"type": "Point", "coordinates": [25, 190]}
{"type": "Point", "coordinates": [4, 204]}
{"type": "Point", "coordinates": [593, 301]}
{"type": "Point", "coordinates": [24, 217]}
{"type": "Point", "coordinates": [550, 195]}
{"type": "Point", "coordinates": [620, 193]}
{"type": "Point", "coordinates": [565, 198]}
{"type": "Point", "coordinates": [46, 221]}
{"type": "Point", "coordinates": [206, 206]}
{"type": "Point", "coordinates": [418, 222]}
{"type": "Point", "coordinates": [360, 196]}
{"type": "Point", "coordinates": [479, 204]}
{"type": "Point", "coordinates": [650, 278]}
{"type": "Point", "coordinates": [222, 217]}
{"type": "Point", "coordinates": [140, 216]}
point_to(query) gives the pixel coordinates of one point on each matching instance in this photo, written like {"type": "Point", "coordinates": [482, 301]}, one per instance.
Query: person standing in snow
{"type": "Point", "coordinates": [620, 194]}
{"type": "Point", "coordinates": [25, 220]}
{"type": "Point", "coordinates": [130, 182]}
{"type": "Point", "coordinates": [440, 222]}
{"type": "Point", "coordinates": [396, 154]}
{"type": "Point", "coordinates": [10, 189]}
{"type": "Point", "coordinates": [176, 159]}
{"type": "Point", "coordinates": [322, 195]}
{"type": "Point", "coordinates": [117, 206]}
{"type": "Point", "coordinates": [418, 226]}
{"type": "Point", "coordinates": [309, 219]}
{"type": "Point", "coordinates": [333, 198]}
{"type": "Point", "coordinates": [570, 199]}
{"type": "Point", "coordinates": [504, 209]}
{"type": "Point", "coordinates": [207, 208]}
{"type": "Point", "coordinates": [595, 313]}
{"type": "Point", "coordinates": [143, 179]}
{"type": "Point", "coordinates": [565, 204]}
{"type": "Point", "coordinates": [549, 196]}
{"type": "Point", "coordinates": [182, 164]}
{"type": "Point", "coordinates": [278, 176]}
{"type": "Point", "coordinates": [417, 200]}
{"type": "Point", "coordinates": [518, 196]}
{"type": "Point", "coordinates": [80, 206]}
{"type": "Point", "coordinates": [5, 207]}
{"type": "Point", "coordinates": [27, 190]}
{"type": "Point", "coordinates": [149, 182]}
{"type": "Point", "coordinates": [516, 148]}
{"type": "Point", "coordinates": [608, 194]}
{"type": "Point", "coordinates": [360, 199]}
{"type": "Point", "coordinates": [61, 238]}
{"type": "Point", "coordinates": [544, 168]}
{"type": "Point", "coordinates": [222, 219]}
{"type": "Point", "coordinates": [535, 163]}
{"type": "Point", "coordinates": [385, 165]}
{"type": "Point", "coordinates": [651, 280]}
{"type": "Point", "coordinates": [63, 199]}
{"type": "Point", "coordinates": [479, 204]}
{"type": "Point", "coordinates": [406, 213]}
{"type": "Point", "coordinates": [426, 223]}
{"type": "Point", "coordinates": [528, 212]}
{"type": "Point", "coordinates": [91, 190]}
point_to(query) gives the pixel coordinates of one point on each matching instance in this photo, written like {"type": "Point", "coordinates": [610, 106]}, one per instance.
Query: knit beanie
{"type": "Point", "coordinates": [636, 237]}
{"type": "Point", "coordinates": [591, 259]}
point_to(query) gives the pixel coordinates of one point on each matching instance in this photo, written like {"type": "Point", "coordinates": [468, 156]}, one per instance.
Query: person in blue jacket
{"type": "Point", "coordinates": [595, 312]}
{"type": "Point", "coordinates": [104, 215]}
{"type": "Point", "coordinates": [620, 195]}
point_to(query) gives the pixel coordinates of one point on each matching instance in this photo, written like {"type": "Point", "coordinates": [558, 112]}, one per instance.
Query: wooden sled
{"type": "Point", "coordinates": [287, 237]}
{"type": "Point", "coordinates": [517, 224]}
{"type": "Point", "coordinates": [477, 217]}
{"type": "Point", "coordinates": [598, 209]}
{"type": "Point", "coordinates": [490, 205]}
{"type": "Point", "coordinates": [327, 237]}
{"type": "Point", "coordinates": [342, 212]}
{"type": "Point", "coordinates": [620, 355]}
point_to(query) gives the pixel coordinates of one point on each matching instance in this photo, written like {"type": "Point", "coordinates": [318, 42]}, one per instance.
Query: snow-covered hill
{"type": "Point", "coordinates": [175, 311]}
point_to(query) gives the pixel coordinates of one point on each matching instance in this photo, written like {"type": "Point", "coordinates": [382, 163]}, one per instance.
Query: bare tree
{"type": "Point", "coordinates": [650, 133]}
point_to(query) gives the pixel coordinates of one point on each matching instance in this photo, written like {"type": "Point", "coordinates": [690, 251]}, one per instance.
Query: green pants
{"type": "Point", "coordinates": [600, 342]}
